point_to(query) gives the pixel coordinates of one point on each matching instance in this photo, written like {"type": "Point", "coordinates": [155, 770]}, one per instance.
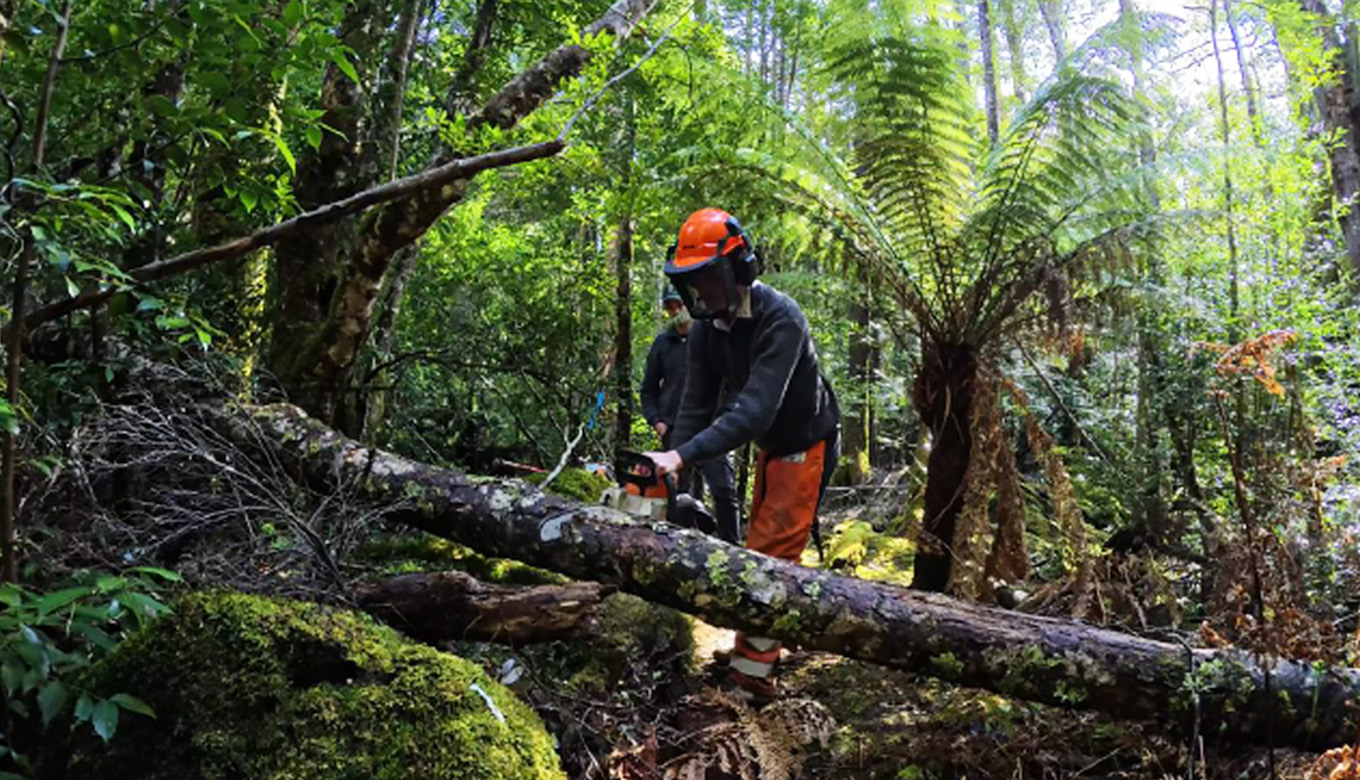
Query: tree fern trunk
{"type": "Point", "coordinates": [943, 397]}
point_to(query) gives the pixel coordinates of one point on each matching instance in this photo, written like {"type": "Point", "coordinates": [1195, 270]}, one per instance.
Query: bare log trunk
{"type": "Point", "coordinates": [1044, 659]}
{"type": "Point", "coordinates": [450, 605]}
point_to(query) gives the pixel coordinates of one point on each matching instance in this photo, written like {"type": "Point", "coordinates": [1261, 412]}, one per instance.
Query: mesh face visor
{"type": "Point", "coordinates": [709, 290]}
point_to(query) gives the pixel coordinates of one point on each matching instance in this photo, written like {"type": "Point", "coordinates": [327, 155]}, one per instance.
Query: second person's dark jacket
{"type": "Point", "coordinates": [663, 380]}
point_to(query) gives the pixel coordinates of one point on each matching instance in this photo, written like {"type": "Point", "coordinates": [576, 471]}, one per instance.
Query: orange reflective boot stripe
{"type": "Point", "coordinates": [787, 492]}
{"type": "Point", "coordinates": [751, 662]}
{"type": "Point", "coordinates": [745, 648]}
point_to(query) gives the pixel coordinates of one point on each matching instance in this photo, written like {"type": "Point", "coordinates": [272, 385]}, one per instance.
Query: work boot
{"type": "Point", "coordinates": [755, 691]}
{"type": "Point", "coordinates": [724, 657]}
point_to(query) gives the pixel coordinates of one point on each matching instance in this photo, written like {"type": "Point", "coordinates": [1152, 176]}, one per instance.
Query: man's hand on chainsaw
{"type": "Point", "coordinates": [668, 462]}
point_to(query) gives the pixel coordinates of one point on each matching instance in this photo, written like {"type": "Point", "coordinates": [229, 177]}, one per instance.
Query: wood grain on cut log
{"type": "Point", "coordinates": [451, 605]}
{"type": "Point", "coordinates": [1042, 659]}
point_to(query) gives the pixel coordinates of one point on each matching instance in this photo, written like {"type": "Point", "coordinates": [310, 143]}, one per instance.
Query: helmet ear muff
{"type": "Point", "coordinates": [746, 264]}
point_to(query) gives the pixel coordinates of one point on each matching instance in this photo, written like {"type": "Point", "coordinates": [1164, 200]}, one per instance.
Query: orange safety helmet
{"type": "Point", "coordinates": [712, 256]}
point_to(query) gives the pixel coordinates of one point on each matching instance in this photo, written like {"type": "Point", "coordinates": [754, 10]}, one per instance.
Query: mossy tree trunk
{"type": "Point", "coordinates": [1044, 659]}
{"type": "Point", "coordinates": [322, 363]}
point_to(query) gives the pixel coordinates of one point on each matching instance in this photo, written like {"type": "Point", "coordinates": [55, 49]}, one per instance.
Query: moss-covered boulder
{"type": "Point", "coordinates": [251, 687]}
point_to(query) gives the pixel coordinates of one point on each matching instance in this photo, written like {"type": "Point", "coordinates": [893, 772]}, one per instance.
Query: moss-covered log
{"type": "Point", "coordinates": [1043, 659]}
{"type": "Point", "coordinates": [451, 605]}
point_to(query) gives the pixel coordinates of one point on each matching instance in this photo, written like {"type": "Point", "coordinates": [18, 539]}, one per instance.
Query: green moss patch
{"type": "Point", "coordinates": [251, 687]}
{"type": "Point", "coordinates": [403, 553]}
{"type": "Point", "coordinates": [856, 549]}
{"type": "Point", "coordinates": [577, 484]}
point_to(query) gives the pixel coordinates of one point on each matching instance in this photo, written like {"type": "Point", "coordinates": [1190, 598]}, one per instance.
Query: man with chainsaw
{"type": "Point", "coordinates": [663, 383]}
{"type": "Point", "coordinates": [757, 341]}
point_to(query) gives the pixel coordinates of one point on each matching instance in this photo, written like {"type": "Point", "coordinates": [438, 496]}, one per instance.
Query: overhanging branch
{"type": "Point", "coordinates": [400, 189]}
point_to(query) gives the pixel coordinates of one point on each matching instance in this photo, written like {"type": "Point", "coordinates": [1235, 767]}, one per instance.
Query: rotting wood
{"type": "Point", "coordinates": [451, 605]}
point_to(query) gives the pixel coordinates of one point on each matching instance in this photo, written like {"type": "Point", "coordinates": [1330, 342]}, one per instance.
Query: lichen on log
{"type": "Point", "coordinates": [1060, 662]}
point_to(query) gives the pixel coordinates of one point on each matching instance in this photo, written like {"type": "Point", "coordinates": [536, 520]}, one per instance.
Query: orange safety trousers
{"type": "Point", "coordinates": [783, 509]}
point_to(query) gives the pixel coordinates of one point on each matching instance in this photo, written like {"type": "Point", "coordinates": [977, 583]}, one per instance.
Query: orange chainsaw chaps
{"type": "Point", "coordinates": [784, 506]}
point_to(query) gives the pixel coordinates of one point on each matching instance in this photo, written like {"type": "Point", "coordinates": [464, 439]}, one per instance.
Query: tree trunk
{"type": "Point", "coordinates": [988, 70]}
{"type": "Point", "coordinates": [943, 397]}
{"type": "Point", "coordinates": [1248, 88]}
{"type": "Point", "coordinates": [450, 605]}
{"type": "Point", "coordinates": [623, 301]}
{"type": "Point", "coordinates": [623, 336]}
{"type": "Point", "coordinates": [373, 396]}
{"type": "Point", "coordinates": [1015, 46]}
{"type": "Point", "coordinates": [1334, 101]}
{"type": "Point", "coordinates": [856, 423]}
{"type": "Point", "coordinates": [308, 266]}
{"type": "Point", "coordinates": [1044, 659]}
{"type": "Point", "coordinates": [327, 361]}
{"type": "Point", "coordinates": [1051, 10]}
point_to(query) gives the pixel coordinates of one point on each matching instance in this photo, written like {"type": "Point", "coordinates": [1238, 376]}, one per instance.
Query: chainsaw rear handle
{"type": "Point", "coordinates": [637, 469]}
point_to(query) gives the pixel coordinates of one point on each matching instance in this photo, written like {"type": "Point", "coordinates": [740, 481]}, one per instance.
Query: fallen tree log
{"type": "Point", "coordinates": [1060, 662]}
{"type": "Point", "coordinates": [451, 605]}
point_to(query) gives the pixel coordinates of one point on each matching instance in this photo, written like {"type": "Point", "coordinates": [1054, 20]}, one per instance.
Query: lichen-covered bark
{"type": "Point", "coordinates": [309, 264]}
{"type": "Point", "coordinates": [329, 360]}
{"type": "Point", "coordinates": [1044, 659]}
{"type": "Point", "coordinates": [452, 605]}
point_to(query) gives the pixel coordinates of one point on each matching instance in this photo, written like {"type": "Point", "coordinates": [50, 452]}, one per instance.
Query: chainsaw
{"type": "Point", "coordinates": [642, 492]}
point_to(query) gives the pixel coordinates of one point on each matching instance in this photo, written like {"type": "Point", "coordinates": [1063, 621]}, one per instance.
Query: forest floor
{"type": "Point", "coordinates": [635, 700]}
{"type": "Point", "coordinates": [892, 725]}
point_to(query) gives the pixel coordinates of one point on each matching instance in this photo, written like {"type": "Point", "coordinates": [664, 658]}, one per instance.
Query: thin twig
{"type": "Point", "coordinates": [593, 99]}
{"type": "Point", "coordinates": [1053, 391]}
{"type": "Point", "coordinates": [562, 461]}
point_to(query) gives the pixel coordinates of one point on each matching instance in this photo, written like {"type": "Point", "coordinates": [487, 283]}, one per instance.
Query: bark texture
{"type": "Point", "coordinates": [451, 605]}
{"type": "Point", "coordinates": [988, 70]}
{"type": "Point", "coordinates": [1334, 101]}
{"type": "Point", "coordinates": [1044, 659]}
{"type": "Point", "coordinates": [943, 397]}
{"type": "Point", "coordinates": [326, 362]}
